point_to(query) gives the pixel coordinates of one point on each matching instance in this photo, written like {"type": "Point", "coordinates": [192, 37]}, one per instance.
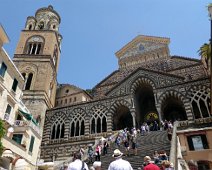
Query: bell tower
{"type": "Point", "coordinates": [37, 57]}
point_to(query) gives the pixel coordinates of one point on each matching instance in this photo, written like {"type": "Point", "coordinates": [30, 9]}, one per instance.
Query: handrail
{"type": "Point", "coordinates": [173, 149]}
{"type": "Point", "coordinates": [181, 163]}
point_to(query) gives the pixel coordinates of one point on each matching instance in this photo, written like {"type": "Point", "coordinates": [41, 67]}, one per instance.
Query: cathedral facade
{"type": "Point", "coordinates": [149, 85]}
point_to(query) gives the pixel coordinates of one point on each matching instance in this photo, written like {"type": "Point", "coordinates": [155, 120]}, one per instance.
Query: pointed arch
{"type": "Point", "coordinates": [98, 115]}
{"type": "Point", "coordinates": [93, 129]}
{"type": "Point", "coordinates": [142, 90]}
{"type": "Point", "coordinates": [53, 132]}
{"type": "Point", "coordinates": [58, 125]}
{"type": "Point", "coordinates": [29, 72]}
{"type": "Point", "coordinates": [77, 124]}
{"type": "Point", "coordinates": [58, 129]}
{"type": "Point", "coordinates": [122, 115]}
{"type": "Point", "coordinates": [104, 124]}
{"type": "Point", "coordinates": [141, 80]}
{"type": "Point", "coordinates": [172, 106]}
{"type": "Point", "coordinates": [29, 81]}
{"type": "Point", "coordinates": [200, 101]}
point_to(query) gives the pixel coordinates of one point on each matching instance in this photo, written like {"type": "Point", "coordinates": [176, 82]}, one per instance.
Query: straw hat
{"type": "Point", "coordinates": [117, 153]}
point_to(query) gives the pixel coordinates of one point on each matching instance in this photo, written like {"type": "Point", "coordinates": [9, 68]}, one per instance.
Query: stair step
{"type": "Point", "coordinates": [155, 140]}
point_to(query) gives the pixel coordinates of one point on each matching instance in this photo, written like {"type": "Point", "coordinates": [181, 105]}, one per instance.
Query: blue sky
{"type": "Point", "coordinates": [93, 30]}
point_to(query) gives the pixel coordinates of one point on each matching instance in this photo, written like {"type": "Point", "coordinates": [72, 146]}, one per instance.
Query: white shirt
{"type": "Point", "coordinates": [77, 165]}
{"type": "Point", "coordinates": [120, 164]}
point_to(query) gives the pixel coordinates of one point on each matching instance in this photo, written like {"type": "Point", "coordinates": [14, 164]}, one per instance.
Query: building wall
{"type": "Point", "coordinates": [8, 96]}
{"type": "Point", "coordinates": [196, 155]}
{"type": "Point", "coordinates": [69, 95]}
{"type": "Point", "coordinates": [14, 150]}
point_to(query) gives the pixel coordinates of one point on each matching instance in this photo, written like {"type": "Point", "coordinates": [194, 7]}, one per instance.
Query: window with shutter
{"type": "Point", "coordinates": [15, 84]}
{"type": "Point", "coordinates": [3, 69]}
{"type": "Point", "coordinates": [31, 143]}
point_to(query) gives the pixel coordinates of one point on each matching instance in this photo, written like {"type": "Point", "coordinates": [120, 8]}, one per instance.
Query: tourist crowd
{"type": "Point", "coordinates": [120, 164]}
{"type": "Point", "coordinates": [128, 139]}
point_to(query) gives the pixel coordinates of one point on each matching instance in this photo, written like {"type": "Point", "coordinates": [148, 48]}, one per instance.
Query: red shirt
{"type": "Point", "coordinates": [151, 166]}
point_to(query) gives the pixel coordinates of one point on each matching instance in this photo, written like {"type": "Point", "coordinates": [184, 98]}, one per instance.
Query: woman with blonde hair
{"type": "Point", "coordinates": [166, 165]}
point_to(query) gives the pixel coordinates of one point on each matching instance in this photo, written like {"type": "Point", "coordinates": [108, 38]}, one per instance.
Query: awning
{"type": "Point", "coordinates": [28, 116]}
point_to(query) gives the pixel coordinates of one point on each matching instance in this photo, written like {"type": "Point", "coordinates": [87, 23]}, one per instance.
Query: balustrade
{"type": "Point", "coordinates": [27, 123]}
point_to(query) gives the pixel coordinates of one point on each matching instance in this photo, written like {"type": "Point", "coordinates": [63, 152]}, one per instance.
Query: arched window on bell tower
{"type": "Point", "coordinates": [28, 80]}
{"type": "Point", "coordinates": [34, 45]}
{"type": "Point", "coordinates": [30, 27]}
{"type": "Point", "coordinates": [41, 25]}
{"type": "Point", "coordinates": [24, 75]}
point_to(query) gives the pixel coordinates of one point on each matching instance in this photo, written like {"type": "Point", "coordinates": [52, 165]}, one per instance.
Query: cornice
{"type": "Point", "coordinates": [140, 38]}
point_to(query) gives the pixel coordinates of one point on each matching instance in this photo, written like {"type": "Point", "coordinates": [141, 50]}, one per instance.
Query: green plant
{"type": "Point", "coordinates": [205, 53]}
{"type": "Point", "coordinates": [2, 133]}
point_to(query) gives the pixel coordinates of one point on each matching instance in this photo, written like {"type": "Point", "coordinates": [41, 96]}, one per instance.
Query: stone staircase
{"type": "Point", "coordinates": [155, 140]}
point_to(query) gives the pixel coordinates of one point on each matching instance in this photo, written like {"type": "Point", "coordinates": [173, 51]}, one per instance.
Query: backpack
{"type": "Point", "coordinates": [83, 166]}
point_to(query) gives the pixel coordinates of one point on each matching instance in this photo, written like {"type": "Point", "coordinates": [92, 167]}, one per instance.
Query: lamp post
{"type": "Point", "coordinates": [210, 57]}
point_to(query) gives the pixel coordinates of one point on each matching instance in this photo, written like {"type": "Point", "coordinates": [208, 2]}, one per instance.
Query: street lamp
{"type": "Point", "coordinates": [210, 15]}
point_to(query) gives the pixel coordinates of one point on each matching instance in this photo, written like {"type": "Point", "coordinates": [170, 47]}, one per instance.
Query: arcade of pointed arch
{"type": "Point", "coordinates": [130, 86]}
{"type": "Point", "coordinates": [98, 120]}
{"type": "Point", "coordinates": [121, 102]}
{"type": "Point", "coordinates": [58, 128]}
{"type": "Point", "coordinates": [139, 81]}
{"type": "Point", "coordinates": [77, 123]}
{"type": "Point", "coordinates": [155, 80]}
{"type": "Point", "coordinates": [200, 101]}
{"type": "Point", "coordinates": [171, 93]}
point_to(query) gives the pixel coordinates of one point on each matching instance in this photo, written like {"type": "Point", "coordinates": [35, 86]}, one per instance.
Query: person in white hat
{"type": "Point", "coordinates": [119, 163]}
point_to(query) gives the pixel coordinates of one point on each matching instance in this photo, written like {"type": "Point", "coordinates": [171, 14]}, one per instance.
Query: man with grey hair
{"type": "Point", "coordinates": [149, 165]}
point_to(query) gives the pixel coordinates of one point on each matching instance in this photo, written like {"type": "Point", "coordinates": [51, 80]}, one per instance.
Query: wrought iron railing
{"type": "Point", "coordinates": [23, 123]}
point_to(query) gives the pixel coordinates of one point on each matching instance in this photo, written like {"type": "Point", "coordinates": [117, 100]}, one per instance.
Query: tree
{"type": "Point", "coordinates": [2, 133]}
{"type": "Point", "coordinates": [205, 53]}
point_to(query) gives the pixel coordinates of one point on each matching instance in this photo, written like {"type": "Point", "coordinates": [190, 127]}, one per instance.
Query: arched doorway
{"type": "Point", "coordinates": [145, 104]}
{"type": "Point", "coordinates": [122, 118]}
{"type": "Point", "coordinates": [173, 109]}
